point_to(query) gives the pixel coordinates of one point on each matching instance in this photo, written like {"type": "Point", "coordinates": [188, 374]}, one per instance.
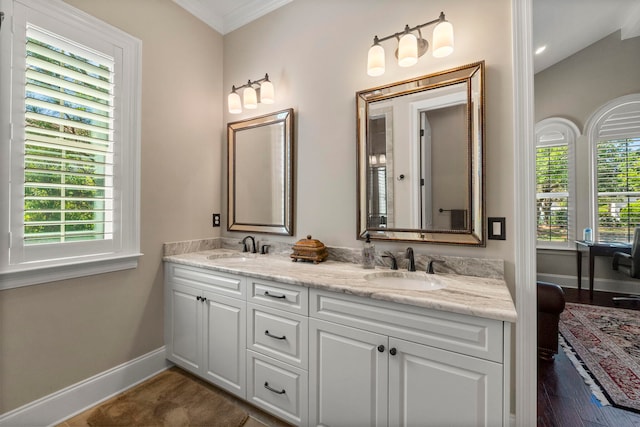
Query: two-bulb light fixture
{"type": "Point", "coordinates": [378, 160]}
{"type": "Point", "coordinates": [410, 47]}
{"type": "Point", "coordinates": [250, 95]}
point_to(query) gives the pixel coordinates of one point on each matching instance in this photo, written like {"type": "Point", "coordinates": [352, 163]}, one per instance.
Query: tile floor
{"type": "Point", "coordinates": [257, 418]}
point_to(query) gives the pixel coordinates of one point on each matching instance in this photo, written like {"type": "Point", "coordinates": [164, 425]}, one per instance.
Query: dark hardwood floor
{"type": "Point", "coordinates": [564, 400]}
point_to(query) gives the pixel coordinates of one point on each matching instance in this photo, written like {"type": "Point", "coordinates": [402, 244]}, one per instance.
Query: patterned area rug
{"type": "Point", "coordinates": [607, 342]}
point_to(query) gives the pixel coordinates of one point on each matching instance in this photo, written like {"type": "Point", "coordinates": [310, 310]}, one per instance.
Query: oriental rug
{"type": "Point", "coordinates": [606, 341]}
{"type": "Point", "coordinates": [172, 398]}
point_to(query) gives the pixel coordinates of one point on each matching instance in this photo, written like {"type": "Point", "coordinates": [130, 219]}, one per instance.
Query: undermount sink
{"type": "Point", "coordinates": [405, 280]}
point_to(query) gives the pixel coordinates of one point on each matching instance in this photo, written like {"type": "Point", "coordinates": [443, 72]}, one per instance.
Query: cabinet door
{"type": "Point", "coordinates": [224, 342]}
{"type": "Point", "coordinates": [347, 376]}
{"type": "Point", "coordinates": [433, 387]}
{"type": "Point", "coordinates": [184, 338]}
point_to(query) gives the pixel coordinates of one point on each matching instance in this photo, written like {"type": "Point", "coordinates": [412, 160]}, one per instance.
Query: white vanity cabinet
{"type": "Point", "coordinates": [379, 363]}
{"type": "Point", "coordinates": [277, 349]}
{"type": "Point", "coordinates": [314, 357]}
{"type": "Point", "coordinates": [205, 324]}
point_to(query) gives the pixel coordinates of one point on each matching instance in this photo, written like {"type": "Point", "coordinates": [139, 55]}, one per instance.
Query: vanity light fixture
{"type": "Point", "coordinates": [380, 159]}
{"type": "Point", "coordinates": [410, 47]}
{"type": "Point", "coordinates": [250, 95]}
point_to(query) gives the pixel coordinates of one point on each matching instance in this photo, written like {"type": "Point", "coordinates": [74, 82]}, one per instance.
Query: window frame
{"type": "Point", "coordinates": [52, 264]}
{"type": "Point", "coordinates": [571, 133]}
{"type": "Point", "coordinates": [600, 127]}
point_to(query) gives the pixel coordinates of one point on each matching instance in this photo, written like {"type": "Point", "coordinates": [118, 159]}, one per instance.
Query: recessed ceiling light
{"type": "Point", "coordinates": [541, 49]}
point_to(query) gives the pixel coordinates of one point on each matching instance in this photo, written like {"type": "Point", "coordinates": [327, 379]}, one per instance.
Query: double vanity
{"type": "Point", "coordinates": [334, 344]}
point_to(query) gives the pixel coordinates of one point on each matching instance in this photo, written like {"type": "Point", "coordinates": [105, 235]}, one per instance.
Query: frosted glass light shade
{"type": "Point", "coordinates": [375, 61]}
{"type": "Point", "coordinates": [442, 39]}
{"type": "Point", "coordinates": [407, 50]}
{"type": "Point", "coordinates": [250, 98]}
{"type": "Point", "coordinates": [233, 101]}
{"type": "Point", "coordinates": [267, 93]}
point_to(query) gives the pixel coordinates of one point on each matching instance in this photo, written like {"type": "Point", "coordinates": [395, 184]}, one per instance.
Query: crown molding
{"type": "Point", "coordinates": [225, 22]}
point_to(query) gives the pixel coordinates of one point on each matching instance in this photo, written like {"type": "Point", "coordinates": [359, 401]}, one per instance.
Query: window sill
{"type": "Point", "coordinates": [52, 273]}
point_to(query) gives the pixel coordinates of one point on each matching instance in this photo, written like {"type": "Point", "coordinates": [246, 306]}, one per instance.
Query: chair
{"type": "Point", "coordinates": [551, 302]}
{"type": "Point", "coordinates": [629, 264]}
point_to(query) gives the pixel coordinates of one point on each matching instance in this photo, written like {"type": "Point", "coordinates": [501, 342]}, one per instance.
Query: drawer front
{"type": "Point", "coordinates": [474, 336]}
{"type": "Point", "coordinates": [278, 334]}
{"type": "Point", "coordinates": [279, 295]}
{"type": "Point", "coordinates": [277, 388]}
{"type": "Point", "coordinates": [214, 281]}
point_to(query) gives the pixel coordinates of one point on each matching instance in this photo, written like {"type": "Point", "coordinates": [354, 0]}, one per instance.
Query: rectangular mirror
{"type": "Point", "coordinates": [421, 157]}
{"type": "Point", "coordinates": [260, 174]}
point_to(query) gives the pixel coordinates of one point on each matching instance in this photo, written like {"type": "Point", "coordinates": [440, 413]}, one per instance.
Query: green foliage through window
{"type": "Point", "coordinates": [68, 142]}
{"type": "Point", "coordinates": [552, 190]}
{"type": "Point", "coordinates": [618, 188]}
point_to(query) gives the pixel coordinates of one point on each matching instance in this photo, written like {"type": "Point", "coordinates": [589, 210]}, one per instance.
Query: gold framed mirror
{"type": "Point", "coordinates": [420, 170]}
{"type": "Point", "coordinates": [260, 174]}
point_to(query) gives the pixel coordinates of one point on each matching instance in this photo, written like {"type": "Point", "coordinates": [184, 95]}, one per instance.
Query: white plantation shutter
{"type": "Point", "coordinates": [614, 137]}
{"type": "Point", "coordinates": [70, 180]}
{"type": "Point", "coordinates": [555, 182]}
{"type": "Point", "coordinates": [68, 141]}
{"type": "Point", "coordinates": [552, 192]}
{"type": "Point", "coordinates": [618, 177]}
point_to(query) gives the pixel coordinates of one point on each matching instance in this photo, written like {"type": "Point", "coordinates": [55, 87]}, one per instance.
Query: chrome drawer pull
{"type": "Point", "coordinates": [284, 337]}
{"type": "Point", "coordinates": [267, 294]}
{"type": "Point", "coordinates": [266, 385]}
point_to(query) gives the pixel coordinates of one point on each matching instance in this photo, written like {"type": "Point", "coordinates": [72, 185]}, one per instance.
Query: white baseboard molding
{"type": "Point", "coordinates": [604, 285]}
{"type": "Point", "coordinates": [72, 400]}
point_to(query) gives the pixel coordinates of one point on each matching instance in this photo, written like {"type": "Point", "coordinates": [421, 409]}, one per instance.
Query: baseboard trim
{"type": "Point", "coordinates": [72, 400]}
{"type": "Point", "coordinates": [604, 285]}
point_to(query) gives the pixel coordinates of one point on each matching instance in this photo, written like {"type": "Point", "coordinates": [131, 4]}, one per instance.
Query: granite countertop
{"type": "Point", "coordinates": [476, 296]}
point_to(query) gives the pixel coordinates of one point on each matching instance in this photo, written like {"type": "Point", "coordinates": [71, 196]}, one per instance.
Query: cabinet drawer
{"type": "Point", "coordinates": [278, 334]}
{"type": "Point", "coordinates": [214, 281]}
{"type": "Point", "coordinates": [475, 336]}
{"type": "Point", "coordinates": [279, 295]}
{"type": "Point", "coordinates": [277, 388]}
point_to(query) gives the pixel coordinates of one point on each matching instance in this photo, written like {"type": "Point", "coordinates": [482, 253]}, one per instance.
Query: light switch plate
{"type": "Point", "coordinates": [496, 228]}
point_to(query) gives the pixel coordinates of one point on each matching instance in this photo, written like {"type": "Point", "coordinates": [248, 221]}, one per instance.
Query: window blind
{"type": "Point", "coordinates": [377, 195]}
{"type": "Point", "coordinates": [68, 149]}
{"type": "Point", "coordinates": [618, 188]}
{"type": "Point", "coordinates": [552, 192]}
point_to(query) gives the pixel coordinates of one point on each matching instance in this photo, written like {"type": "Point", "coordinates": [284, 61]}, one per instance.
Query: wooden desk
{"type": "Point", "coordinates": [596, 249]}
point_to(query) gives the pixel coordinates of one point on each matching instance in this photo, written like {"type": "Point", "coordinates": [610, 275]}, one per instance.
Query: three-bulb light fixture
{"type": "Point", "coordinates": [410, 47]}
{"type": "Point", "coordinates": [250, 95]}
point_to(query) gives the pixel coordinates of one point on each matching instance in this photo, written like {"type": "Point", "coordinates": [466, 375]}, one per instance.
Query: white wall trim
{"type": "Point", "coordinates": [524, 207]}
{"type": "Point", "coordinates": [72, 400]}
{"type": "Point", "coordinates": [604, 285]}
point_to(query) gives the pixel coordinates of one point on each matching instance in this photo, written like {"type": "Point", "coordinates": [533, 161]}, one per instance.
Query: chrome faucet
{"type": "Point", "coordinates": [412, 262]}
{"type": "Point", "coordinates": [253, 244]}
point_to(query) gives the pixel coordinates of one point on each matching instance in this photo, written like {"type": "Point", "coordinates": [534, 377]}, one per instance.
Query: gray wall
{"type": "Point", "coordinates": [56, 334]}
{"type": "Point", "coordinates": [574, 89]}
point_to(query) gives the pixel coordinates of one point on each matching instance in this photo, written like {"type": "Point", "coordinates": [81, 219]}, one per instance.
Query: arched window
{"type": "Point", "coordinates": [614, 147]}
{"type": "Point", "coordinates": [555, 182]}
